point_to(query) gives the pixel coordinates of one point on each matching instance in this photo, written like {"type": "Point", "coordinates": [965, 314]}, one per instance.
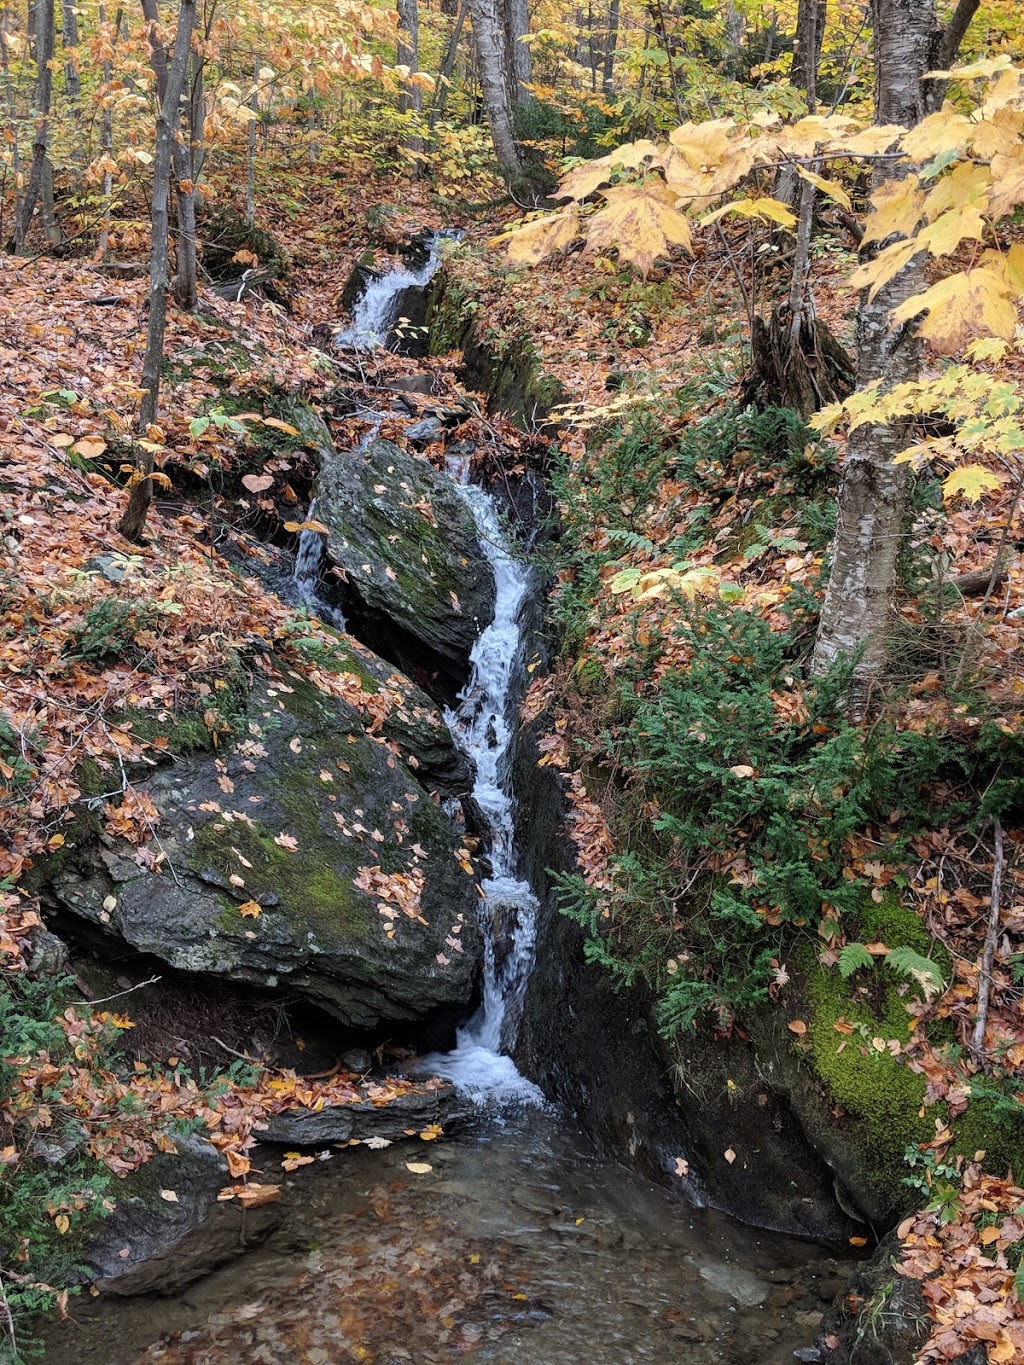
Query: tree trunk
{"type": "Point", "coordinates": [803, 74]}
{"type": "Point", "coordinates": [610, 41]}
{"type": "Point", "coordinates": [12, 111]}
{"type": "Point", "coordinates": [69, 39]}
{"type": "Point", "coordinates": [444, 76]}
{"type": "Point", "coordinates": [44, 18]}
{"type": "Point", "coordinates": [410, 98]}
{"type": "Point", "coordinates": [810, 29]}
{"type": "Point", "coordinates": [517, 26]}
{"type": "Point", "coordinates": [492, 60]}
{"type": "Point", "coordinates": [185, 277]}
{"type": "Point", "coordinates": [250, 148]}
{"type": "Point", "coordinates": [944, 49]}
{"type": "Point", "coordinates": [132, 524]}
{"type": "Point", "coordinates": [855, 616]}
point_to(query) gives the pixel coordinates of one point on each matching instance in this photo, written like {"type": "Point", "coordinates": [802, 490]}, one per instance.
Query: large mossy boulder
{"type": "Point", "coordinates": [417, 585]}
{"type": "Point", "coordinates": [305, 855]}
{"type": "Point", "coordinates": [167, 1228]}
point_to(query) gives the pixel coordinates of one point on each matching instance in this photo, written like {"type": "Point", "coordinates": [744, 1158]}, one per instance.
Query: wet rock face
{"type": "Point", "coordinates": [416, 585]}
{"type": "Point", "coordinates": [151, 1244]}
{"type": "Point", "coordinates": [597, 1049]}
{"type": "Point", "coordinates": [366, 1122]}
{"type": "Point", "coordinates": [306, 856]}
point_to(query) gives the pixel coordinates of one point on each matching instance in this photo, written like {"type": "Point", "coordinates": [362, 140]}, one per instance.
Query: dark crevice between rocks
{"type": "Point", "coordinates": [207, 1022]}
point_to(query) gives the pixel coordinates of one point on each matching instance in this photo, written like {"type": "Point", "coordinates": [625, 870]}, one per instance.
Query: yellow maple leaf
{"type": "Point", "coordinates": [999, 133]}
{"type": "Point", "coordinates": [963, 224]}
{"type": "Point", "coordinates": [896, 206]}
{"type": "Point", "coordinates": [831, 188]}
{"type": "Point", "coordinates": [970, 481]}
{"type": "Point", "coordinates": [1007, 181]}
{"type": "Point", "coordinates": [250, 910]}
{"type": "Point", "coordinates": [965, 305]}
{"type": "Point", "coordinates": [867, 141]}
{"type": "Point", "coordinates": [886, 266]}
{"type": "Point", "coordinates": [943, 131]}
{"type": "Point", "coordinates": [967, 184]}
{"type": "Point", "coordinates": [773, 209]}
{"type": "Point", "coordinates": [542, 237]}
{"type": "Point", "coordinates": [642, 221]}
{"type": "Point", "coordinates": [584, 180]}
{"type": "Point", "coordinates": [1013, 265]}
{"type": "Point", "coordinates": [985, 66]}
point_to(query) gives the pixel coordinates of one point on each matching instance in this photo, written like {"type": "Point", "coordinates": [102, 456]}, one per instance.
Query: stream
{"type": "Point", "coordinates": [512, 1240]}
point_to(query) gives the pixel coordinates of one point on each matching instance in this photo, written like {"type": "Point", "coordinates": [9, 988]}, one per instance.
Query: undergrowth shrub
{"type": "Point", "coordinates": [747, 815]}
{"type": "Point", "coordinates": [110, 629]}
{"type": "Point", "coordinates": [735, 804]}
{"type": "Point", "coordinates": [50, 1189]}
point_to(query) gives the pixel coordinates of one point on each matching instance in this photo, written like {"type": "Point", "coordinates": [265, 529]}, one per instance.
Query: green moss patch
{"type": "Point", "coordinates": [870, 1084]}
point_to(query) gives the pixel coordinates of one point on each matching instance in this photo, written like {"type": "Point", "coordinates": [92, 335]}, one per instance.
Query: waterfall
{"type": "Point", "coordinates": [308, 572]}
{"type": "Point", "coordinates": [375, 313]}
{"type": "Point", "coordinates": [483, 726]}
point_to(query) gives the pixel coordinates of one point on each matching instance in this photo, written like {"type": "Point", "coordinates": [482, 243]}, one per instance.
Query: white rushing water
{"type": "Point", "coordinates": [483, 727]}
{"type": "Point", "coordinates": [308, 574]}
{"type": "Point", "coordinates": [376, 312]}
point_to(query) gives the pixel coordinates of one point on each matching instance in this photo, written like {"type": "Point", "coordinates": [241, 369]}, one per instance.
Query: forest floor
{"type": "Point", "coordinates": [71, 342]}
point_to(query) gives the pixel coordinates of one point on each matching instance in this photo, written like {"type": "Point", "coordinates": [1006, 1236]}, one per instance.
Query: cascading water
{"type": "Point", "coordinates": [308, 573]}
{"type": "Point", "coordinates": [375, 314]}
{"type": "Point", "coordinates": [483, 727]}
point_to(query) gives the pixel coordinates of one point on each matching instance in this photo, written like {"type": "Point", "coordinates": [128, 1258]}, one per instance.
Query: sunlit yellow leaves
{"type": "Point", "coordinates": [896, 207]}
{"type": "Point", "coordinates": [1007, 180]}
{"type": "Point", "coordinates": [986, 66]}
{"type": "Point", "coordinates": [771, 210]}
{"type": "Point", "coordinates": [963, 306]}
{"type": "Point", "coordinates": [873, 275]}
{"type": "Point", "coordinates": [943, 131]}
{"type": "Point", "coordinates": [871, 141]}
{"type": "Point", "coordinates": [997, 134]}
{"type": "Point", "coordinates": [704, 160]}
{"type": "Point", "coordinates": [988, 348]}
{"type": "Point", "coordinates": [966, 186]}
{"type": "Point", "coordinates": [831, 188]}
{"type": "Point", "coordinates": [642, 221]}
{"type": "Point", "coordinates": [944, 235]}
{"type": "Point", "coordinates": [583, 181]}
{"type": "Point", "coordinates": [534, 241]}
{"type": "Point", "coordinates": [688, 583]}
{"type": "Point", "coordinates": [970, 481]}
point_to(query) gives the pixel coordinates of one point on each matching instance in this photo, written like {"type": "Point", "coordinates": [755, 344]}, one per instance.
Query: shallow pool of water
{"type": "Point", "coordinates": [519, 1244]}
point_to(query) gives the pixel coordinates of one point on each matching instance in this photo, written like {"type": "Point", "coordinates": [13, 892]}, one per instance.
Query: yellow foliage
{"type": "Point", "coordinates": [774, 210]}
{"type": "Point", "coordinates": [534, 241]}
{"type": "Point", "coordinates": [896, 206]}
{"type": "Point", "coordinates": [1008, 180]}
{"type": "Point", "coordinates": [642, 221]}
{"type": "Point", "coordinates": [943, 131]}
{"type": "Point", "coordinates": [964, 305]}
{"type": "Point", "coordinates": [831, 188]}
{"type": "Point", "coordinates": [970, 481]}
{"type": "Point", "coordinates": [583, 181]}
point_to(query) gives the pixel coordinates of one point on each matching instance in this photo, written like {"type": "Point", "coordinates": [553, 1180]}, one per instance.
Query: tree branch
{"type": "Point", "coordinates": [950, 38]}
{"type": "Point", "coordinates": [944, 49]}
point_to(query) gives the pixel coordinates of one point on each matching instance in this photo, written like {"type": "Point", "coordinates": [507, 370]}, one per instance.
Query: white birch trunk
{"type": "Point", "coordinates": [856, 613]}
{"type": "Point", "coordinates": [492, 57]}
